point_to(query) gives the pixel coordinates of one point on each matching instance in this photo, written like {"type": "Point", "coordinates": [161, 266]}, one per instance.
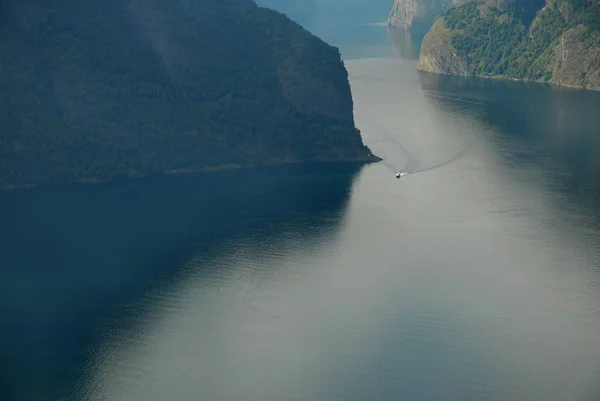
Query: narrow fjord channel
{"type": "Point", "coordinates": [476, 280]}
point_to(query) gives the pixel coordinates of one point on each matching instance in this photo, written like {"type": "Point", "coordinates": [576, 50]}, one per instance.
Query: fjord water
{"type": "Point", "coordinates": [475, 280]}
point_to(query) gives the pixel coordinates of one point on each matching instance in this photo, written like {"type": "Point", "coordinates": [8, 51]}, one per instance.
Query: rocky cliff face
{"type": "Point", "coordinates": [418, 13]}
{"type": "Point", "coordinates": [438, 55]}
{"type": "Point", "coordinates": [404, 12]}
{"type": "Point", "coordinates": [575, 60]}
{"type": "Point", "coordinates": [556, 42]}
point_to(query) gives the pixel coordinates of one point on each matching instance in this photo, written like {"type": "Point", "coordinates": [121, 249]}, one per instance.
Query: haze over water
{"type": "Point", "coordinates": [475, 280]}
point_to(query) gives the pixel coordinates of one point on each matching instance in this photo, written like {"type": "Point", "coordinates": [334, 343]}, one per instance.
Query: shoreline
{"type": "Point", "coordinates": [366, 160]}
{"type": "Point", "coordinates": [504, 78]}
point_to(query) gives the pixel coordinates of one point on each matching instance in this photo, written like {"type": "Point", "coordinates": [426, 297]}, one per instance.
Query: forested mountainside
{"type": "Point", "coordinates": [557, 42]}
{"type": "Point", "coordinates": [104, 89]}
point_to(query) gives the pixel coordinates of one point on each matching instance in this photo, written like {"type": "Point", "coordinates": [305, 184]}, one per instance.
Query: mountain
{"type": "Point", "coordinates": [556, 42]}
{"type": "Point", "coordinates": [418, 15]}
{"type": "Point", "coordinates": [109, 89]}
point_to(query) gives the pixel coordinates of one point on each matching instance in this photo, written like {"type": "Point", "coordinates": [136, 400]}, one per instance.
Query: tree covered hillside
{"type": "Point", "coordinates": [103, 89]}
{"type": "Point", "coordinates": [558, 41]}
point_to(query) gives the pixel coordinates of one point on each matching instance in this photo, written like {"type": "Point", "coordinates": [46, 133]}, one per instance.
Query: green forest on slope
{"type": "Point", "coordinates": [516, 39]}
{"type": "Point", "coordinates": [105, 89]}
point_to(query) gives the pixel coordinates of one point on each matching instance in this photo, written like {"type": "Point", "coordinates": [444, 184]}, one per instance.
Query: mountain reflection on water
{"type": "Point", "coordinates": [547, 128]}
{"type": "Point", "coordinates": [72, 253]}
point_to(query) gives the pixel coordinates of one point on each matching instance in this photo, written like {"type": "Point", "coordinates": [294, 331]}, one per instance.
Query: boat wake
{"type": "Point", "coordinates": [389, 147]}
{"type": "Point", "coordinates": [461, 151]}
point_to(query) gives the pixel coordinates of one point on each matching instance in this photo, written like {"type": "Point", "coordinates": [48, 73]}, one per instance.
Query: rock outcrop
{"type": "Point", "coordinates": [404, 12]}
{"type": "Point", "coordinates": [438, 55]}
{"type": "Point", "coordinates": [575, 60]}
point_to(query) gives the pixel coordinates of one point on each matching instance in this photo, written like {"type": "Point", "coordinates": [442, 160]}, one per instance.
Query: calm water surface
{"type": "Point", "coordinates": [477, 278]}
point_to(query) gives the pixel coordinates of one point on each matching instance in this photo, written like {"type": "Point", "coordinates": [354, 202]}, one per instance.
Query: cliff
{"type": "Point", "coordinates": [556, 42]}
{"type": "Point", "coordinates": [437, 53]}
{"type": "Point", "coordinates": [124, 89]}
{"type": "Point", "coordinates": [418, 14]}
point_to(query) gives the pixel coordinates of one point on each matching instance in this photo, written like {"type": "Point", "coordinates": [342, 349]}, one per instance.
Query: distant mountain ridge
{"type": "Point", "coordinates": [112, 89]}
{"type": "Point", "coordinates": [557, 41]}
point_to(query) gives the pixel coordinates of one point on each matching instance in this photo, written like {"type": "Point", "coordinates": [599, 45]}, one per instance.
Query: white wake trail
{"type": "Point", "coordinates": [411, 164]}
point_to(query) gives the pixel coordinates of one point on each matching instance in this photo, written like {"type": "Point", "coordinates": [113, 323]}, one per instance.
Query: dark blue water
{"type": "Point", "coordinates": [477, 278]}
{"type": "Point", "coordinates": [77, 256]}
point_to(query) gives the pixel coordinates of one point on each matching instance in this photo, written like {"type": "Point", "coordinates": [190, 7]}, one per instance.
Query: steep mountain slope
{"type": "Point", "coordinates": [418, 15]}
{"type": "Point", "coordinates": [557, 42]}
{"type": "Point", "coordinates": [116, 88]}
